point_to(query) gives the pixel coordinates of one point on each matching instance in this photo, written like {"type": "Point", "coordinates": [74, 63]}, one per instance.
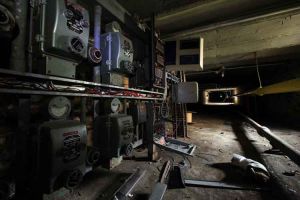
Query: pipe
{"type": "Point", "coordinates": [277, 88]}
{"type": "Point", "coordinates": [193, 33]}
{"type": "Point", "coordinates": [221, 69]}
{"type": "Point", "coordinates": [42, 10]}
{"type": "Point", "coordinates": [97, 40]}
{"type": "Point", "coordinates": [18, 58]}
{"type": "Point", "coordinates": [275, 141]}
{"type": "Point", "coordinates": [30, 36]}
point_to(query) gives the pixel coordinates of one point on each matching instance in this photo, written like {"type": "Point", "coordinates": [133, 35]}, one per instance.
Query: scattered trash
{"type": "Point", "coordinates": [125, 190]}
{"type": "Point", "coordinates": [177, 180]}
{"type": "Point", "coordinates": [220, 184]}
{"type": "Point", "coordinates": [130, 195]}
{"type": "Point", "coordinates": [183, 163]}
{"type": "Point", "coordinates": [160, 187]}
{"type": "Point", "coordinates": [161, 141]}
{"type": "Point", "coordinates": [258, 170]}
{"type": "Point", "coordinates": [222, 133]}
{"type": "Point", "coordinates": [174, 145]}
{"type": "Point", "coordinates": [291, 173]}
{"type": "Point", "coordinates": [220, 150]}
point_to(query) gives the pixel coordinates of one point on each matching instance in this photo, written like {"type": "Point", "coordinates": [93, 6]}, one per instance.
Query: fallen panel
{"type": "Point", "coordinates": [175, 145]}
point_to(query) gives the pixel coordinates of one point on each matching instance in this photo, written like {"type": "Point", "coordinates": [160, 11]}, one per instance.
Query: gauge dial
{"type": "Point", "coordinates": [59, 107]}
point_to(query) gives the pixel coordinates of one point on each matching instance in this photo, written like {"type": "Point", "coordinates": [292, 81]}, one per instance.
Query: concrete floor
{"type": "Point", "coordinates": [217, 137]}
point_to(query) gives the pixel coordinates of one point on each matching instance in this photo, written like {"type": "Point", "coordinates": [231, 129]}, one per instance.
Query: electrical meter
{"type": "Point", "coordinates": [59, 107]}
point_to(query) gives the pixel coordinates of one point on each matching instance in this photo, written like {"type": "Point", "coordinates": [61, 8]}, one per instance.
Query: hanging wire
{"type": "Point", "coordinates": [258, 74]}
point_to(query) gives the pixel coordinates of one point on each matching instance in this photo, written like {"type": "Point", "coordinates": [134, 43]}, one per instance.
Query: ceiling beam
{"type": "Point", "coordinates": [194, 32]}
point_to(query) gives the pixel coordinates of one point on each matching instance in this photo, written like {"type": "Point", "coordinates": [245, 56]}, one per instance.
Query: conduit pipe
{"type": "Point", "coordinates": [18, 57]}
{"type": "Point", "coordinates": [97, 39]}
{"type": "Point", "coordinates": [277, 88]}
{"type": "Point", "coordinates": [275, 141]}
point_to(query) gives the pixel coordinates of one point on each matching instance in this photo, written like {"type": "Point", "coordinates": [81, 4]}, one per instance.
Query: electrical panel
{"type": "Point", "coordinates": [186, 92]}
{"type": "Point", "coordinates": [62, 154]}
{"type": "Point", "coordinates": [138, 112]}
{"type": "Point", "coordinates": [117, 53]}
{"type": "Point", "coordinates": [66, 29]}
{"type": "Point", "coordinates": [113, 135]}
{"type": "Point", "coordinates": [63, 36]}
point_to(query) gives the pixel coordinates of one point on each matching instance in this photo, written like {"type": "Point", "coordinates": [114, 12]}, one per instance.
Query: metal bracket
{"type": "Point", "coordinates": [39, 38]}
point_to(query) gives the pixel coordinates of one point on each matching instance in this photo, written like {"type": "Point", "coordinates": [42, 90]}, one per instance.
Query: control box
{"type": "Point", "coordinates": [62, 155]}
{"type": "Point", "coordinates": [63, 37]}
{"type": "Point", "coordinates": [138, 112]}
{"type": "Point", "coordinates": [113, 135]}
{"type": "Point", "coordinates": [66, 29]}
{"type": "Point", "coordinates": [117, 53]}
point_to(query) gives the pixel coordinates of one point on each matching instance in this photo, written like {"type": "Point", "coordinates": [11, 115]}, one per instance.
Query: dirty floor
{"type": "Point", "coordinates": [217, 138]}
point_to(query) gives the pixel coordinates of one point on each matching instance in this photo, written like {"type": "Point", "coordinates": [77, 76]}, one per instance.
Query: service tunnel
{"type": "Point", "coordinates": [159, 99]}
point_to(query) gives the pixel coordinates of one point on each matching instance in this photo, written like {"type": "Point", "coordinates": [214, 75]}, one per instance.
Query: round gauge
{"type": "Point", "coordinates": [115, 105]}
{"type": "Point", "coordinates": [59, 107]}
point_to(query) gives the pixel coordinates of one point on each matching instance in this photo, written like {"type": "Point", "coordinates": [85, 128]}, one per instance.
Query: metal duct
{"type": "Point", "coordinates": [18, 58]}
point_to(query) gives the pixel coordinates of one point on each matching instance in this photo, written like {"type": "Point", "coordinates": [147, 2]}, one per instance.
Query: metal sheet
{"type": "Point", "coordinates": [158, 191]}
{"type": "Point", "coordinates": [60, 67]}
{"type": "Point", "coordinates": [176, 146]}
{"type": "Point", "coordinates": [129, 184]}
{"type": "Point", "coordinates": [186, 92]}
{"type": "Point", "coordinates": [216, 184]}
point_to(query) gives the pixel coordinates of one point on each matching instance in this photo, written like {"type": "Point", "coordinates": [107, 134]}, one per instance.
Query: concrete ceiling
{"type": "Point", "coordinates": [178, 15]}
{"type": "Point", "coordinates": [269, 39]}
{"type": "Point", "coordinates": [146, 8]}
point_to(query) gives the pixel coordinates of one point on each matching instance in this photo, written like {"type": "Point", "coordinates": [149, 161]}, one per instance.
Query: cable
{"type": "Point", "coordinates": [49, 86]}
{"type": "Point", "coordinates": [256, 61]}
